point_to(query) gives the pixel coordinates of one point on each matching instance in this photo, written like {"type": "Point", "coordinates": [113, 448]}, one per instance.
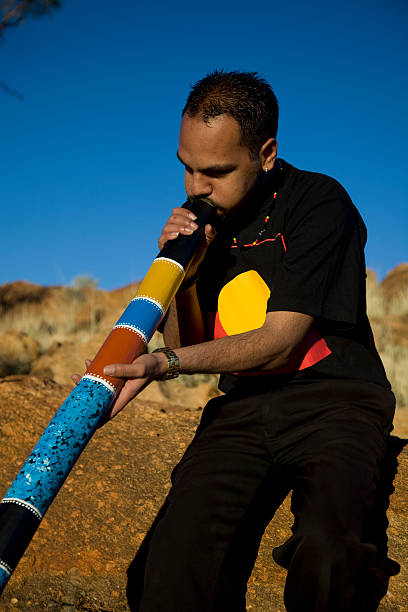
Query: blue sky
{"type": "Point", "coordinates": [88, 170]}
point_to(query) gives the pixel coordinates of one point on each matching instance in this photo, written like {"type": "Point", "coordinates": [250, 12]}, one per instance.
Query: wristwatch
{"type": "Point", "coordinates": [173, 368]}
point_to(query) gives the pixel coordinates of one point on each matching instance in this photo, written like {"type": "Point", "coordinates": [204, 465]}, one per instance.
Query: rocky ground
{"type": "Point", "coordinates": [79, 556]}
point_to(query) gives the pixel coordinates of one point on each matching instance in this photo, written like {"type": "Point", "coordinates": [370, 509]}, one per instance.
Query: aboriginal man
{"type": "Point", "coordinates": [275, 302]}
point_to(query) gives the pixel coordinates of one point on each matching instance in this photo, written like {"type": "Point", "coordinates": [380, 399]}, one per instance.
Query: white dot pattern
{"type": "Point", "coordinates": [5, 566]}
{"type": "Point", "coordinates": [136, 330]}
{"type": "Point", "coordinates": [173, 263]}
{"type": "Point", "coordinates": [100, 379]}
{"type": "Point", "coordinates": [150, 299]}
{"type": "Point", "coordinates": [23, 504]}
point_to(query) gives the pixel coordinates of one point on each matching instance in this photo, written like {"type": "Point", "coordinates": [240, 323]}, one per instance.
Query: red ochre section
{"type": "Point", "coordinates": [121, 346]}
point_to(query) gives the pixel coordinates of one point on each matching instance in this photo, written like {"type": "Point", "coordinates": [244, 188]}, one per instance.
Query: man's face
{"type": "Point", "coordinates": [216, 165]}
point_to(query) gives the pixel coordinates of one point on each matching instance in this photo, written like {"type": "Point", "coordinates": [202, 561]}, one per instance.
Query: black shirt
{"type": "Point", "coordinates": [298, 246]}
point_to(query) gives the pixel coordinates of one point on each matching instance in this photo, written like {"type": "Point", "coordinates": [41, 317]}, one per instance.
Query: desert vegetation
{"type": "Point", "coordinates": [48, 331]}
{"type": "Point", "coordinates": [387, 307]}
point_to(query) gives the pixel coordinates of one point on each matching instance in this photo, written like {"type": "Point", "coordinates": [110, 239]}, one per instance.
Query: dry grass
{"type": "Point", "coordinates": [376, 304]}
{"type": "Point", "coordinates": [48, 330]}
{"type": "Point", "coordinates": [399, 305]}
{"type": "Point", "coordinates": [393, 355]}
{"type": "Point", "coordinates": [53, 313]}
{"type": "Point", "coordinates": [395, 360]}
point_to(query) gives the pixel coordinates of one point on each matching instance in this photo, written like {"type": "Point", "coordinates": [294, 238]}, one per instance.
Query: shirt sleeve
{"type": "Point", "coordinates": [323, 269]}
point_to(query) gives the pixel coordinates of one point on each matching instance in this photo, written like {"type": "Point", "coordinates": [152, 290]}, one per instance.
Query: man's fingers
{"type": "Point", "coordinates": [183, 212]}
{"type": "Point", "coordinates": [87, 363]}
{"type": "Point", "coordinates": [76, 378]}
{"type": "Point", "coordinates": [172, 230]}
{"type": "Point", "coordinates": [123, 370]}
{"type": "Point", "coordinates": [181, 221]}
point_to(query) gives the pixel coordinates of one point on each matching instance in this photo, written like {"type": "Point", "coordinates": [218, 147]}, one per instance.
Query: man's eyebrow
{"type": "Point", "coordinates": [214, 168]}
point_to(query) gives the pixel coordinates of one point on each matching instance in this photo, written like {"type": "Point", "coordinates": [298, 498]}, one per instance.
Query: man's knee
{"type": "Point", "coordinates": [325, 572]}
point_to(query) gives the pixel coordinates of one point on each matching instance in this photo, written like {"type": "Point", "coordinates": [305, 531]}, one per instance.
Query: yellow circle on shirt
{"type": "Point", "coordinates": [242, 303]}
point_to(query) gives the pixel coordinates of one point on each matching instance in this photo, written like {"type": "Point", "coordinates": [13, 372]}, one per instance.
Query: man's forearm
{"type": "Point", "coordinates": [229, 354]}
{"type": "Point", "coordinates": [265, 348]}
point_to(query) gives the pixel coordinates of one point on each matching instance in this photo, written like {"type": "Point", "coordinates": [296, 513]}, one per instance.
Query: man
{"type": "Point", "coordinates": [275, 301]}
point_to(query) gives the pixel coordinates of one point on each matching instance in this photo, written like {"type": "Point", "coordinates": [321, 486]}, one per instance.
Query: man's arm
{"type": "Point", "coordinates": [267, 347]}
{"type": "Point", "coordinates": [185, 323]}
{"type": "Point", "coordinates": [264, 348]}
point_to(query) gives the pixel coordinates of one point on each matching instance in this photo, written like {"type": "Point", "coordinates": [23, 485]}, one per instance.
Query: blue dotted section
{"type": "Point", "coordinates": [4, 578]}
{"type": "Point", "coordinates": [46, 469]}
{"type": "Point", "coordinates": [142, 314]}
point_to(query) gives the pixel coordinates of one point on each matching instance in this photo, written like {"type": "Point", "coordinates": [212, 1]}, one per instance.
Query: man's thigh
{"type": "Point", "coordinates": [336, 460]}
{"type": "Point", "coordinates": [335, 452]}
{"type": "Point", "coordinates": [225, 491]}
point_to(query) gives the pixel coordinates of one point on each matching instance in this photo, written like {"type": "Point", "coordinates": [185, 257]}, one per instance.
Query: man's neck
{"type": "Point", "coordinates": [249, 209]}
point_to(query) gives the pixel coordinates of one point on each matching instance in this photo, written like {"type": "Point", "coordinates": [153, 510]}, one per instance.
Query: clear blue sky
{"type": "Point", "coordinates": [88, 170]}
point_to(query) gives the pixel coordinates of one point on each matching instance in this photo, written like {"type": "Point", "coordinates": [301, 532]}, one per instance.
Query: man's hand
{"type": "Point", "coordinates": [181, 221]}
{"type": "Point", "coordinates": [137, 376]}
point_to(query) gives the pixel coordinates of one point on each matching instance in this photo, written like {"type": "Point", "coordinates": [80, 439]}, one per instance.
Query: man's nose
{"type": "Point", "coordinates": [200, 185]}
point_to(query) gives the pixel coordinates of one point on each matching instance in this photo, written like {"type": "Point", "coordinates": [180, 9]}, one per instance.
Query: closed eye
{"type": "Point", "coordinates": [215, 173]}
{"type": "Point", "coordinates": [211, 171]}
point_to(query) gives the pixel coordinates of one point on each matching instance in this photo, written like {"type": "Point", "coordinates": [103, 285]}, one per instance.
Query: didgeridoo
{"type": "Point", "coordinates": [45, 470]}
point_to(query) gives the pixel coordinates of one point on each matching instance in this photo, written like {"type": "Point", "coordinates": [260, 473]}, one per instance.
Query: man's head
{"type": "Point", "coordinates": [228, 136]}
{"type": "Point", "coordinates": [244, 96]}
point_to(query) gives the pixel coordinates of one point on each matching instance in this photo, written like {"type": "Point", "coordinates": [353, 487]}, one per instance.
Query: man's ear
{"type": "Point", "coordinates": [267, 154]}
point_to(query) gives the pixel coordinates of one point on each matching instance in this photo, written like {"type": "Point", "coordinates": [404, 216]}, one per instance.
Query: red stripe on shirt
{"type": "Point", "coordinates": [257, 242]}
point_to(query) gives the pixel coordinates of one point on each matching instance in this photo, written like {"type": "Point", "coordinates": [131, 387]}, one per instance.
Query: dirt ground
{"type": "Point", "coordinates": [82, 549]}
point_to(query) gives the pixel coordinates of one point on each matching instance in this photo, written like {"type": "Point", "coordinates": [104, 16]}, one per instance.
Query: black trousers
{"type": "Point", "coordinates": [326, 442]}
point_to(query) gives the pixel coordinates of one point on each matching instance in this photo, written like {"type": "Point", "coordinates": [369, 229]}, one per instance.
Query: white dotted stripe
{"type": "Point", "coordinates": [147, 298]}
{"type": "Point", "coordinates": [24, 504]}
{"type": "Point", "coordinates": [5, 566]}
{"type": "Point", "coordinates": [136, 330]}
{"type": "Point", "coordinates": [174, 263]}
{"type": "Point", "coordinates": [100, 379]}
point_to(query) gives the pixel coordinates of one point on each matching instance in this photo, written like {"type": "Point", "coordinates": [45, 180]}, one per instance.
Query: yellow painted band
{"type": "Point", "coordinates": [161, 282]}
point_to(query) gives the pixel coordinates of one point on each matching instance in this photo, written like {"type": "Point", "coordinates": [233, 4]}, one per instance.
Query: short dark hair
{"type": "Point", "coordinates": [245, 96]}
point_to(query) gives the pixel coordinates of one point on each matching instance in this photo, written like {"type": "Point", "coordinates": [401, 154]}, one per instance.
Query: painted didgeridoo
{"type": "Point", "coordinates": [62, 442]}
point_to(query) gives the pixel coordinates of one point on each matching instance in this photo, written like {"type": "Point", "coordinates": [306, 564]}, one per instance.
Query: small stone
{"type": "Point", "coordinates": [14, 600]}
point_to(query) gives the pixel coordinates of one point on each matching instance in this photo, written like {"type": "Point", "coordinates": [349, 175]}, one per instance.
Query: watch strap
{"type": "Point", "coordinates": [173, 367]}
